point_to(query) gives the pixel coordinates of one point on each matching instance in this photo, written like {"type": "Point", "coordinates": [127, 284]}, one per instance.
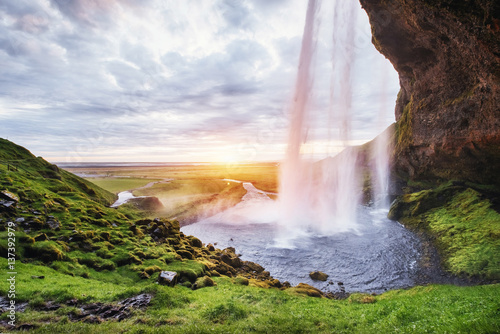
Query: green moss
{"type": "Point", "coordinates": [404, 127]}
{"type": "Point", "coordinates": [45, 250]}
{"type": "Point", "coordinates": [468, 231]}
{"type": "Point", "coordinates": [463, 224]}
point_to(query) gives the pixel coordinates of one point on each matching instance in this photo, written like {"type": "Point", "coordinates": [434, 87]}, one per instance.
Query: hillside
{"type": "Point", "coordinates": [82, 267]}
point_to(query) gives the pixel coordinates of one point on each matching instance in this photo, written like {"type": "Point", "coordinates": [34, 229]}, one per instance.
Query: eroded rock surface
{"type": "Point", "coordinates": [447, 54]}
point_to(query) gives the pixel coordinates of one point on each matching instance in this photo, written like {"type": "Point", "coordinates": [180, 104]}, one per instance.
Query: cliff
{"type": "Point", "coordinates": [447, 54]}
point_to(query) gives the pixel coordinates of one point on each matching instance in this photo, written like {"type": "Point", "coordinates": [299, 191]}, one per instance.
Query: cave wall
{"type": "Point", "coordinates": [447, 54]}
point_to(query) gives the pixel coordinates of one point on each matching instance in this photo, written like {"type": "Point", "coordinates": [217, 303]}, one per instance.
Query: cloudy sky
{"type": "Point", "coordinates": [160, 80]}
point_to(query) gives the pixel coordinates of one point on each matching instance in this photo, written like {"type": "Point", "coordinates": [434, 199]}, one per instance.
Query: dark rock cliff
{"type": "Point", "coordinates": [447, 54]}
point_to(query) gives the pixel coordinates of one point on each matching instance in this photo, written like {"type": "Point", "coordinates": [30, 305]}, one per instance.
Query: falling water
{"type": "Point", "coordinates": [322, 197]}
{"type": "Point", "coordinates": [381, 153]}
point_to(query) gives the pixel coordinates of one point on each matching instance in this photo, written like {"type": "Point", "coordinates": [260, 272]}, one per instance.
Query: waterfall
{"type": "Point", "coordinates": [321, 197]}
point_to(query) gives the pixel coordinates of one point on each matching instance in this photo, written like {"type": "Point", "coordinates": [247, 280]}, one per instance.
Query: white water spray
{"type": "Point", "coordinates": [381, 152]}
{"type": "Point", "coordinates": [322, 197]}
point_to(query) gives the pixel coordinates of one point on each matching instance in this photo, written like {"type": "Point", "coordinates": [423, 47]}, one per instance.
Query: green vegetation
{"type": "Point", "coordinates": [230, 308]}
{"type": "Point", "coordinates": [404, 127]}
{"type": "Point", "coordinates": [264, 176]}
{"type": "Point", "coordinates": [73, 250]}
{"type": "Point", "coordinates": [119, 184]}
{"type": "Point", "coordinates": [463, 224]}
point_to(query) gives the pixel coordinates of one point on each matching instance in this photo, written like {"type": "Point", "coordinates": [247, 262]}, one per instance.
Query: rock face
{"type": "Point", "coordinates": [447, 54]}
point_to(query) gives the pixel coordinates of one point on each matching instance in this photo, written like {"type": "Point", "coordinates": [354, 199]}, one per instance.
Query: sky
{"type": "Point", "coordinates": [160, 80]}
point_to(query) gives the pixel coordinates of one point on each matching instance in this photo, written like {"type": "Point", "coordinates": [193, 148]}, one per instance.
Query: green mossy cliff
{"type": "Point", "coordinates": [65, 222]}
{"type": "Point", "coordinates": [447, 54]}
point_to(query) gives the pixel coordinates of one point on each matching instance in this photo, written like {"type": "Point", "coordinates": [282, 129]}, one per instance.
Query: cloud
{"type": "Point", "coordinates": [174, 79]}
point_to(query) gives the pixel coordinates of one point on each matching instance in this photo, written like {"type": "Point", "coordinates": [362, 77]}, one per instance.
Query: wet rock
{"type": "Point", "coordinates": [97, 312]}
{"type": "Point", "coordinates": [252, 266]}
{"type": "Point", "coordinates": [5, 304]}
{"type": "Point", "coordinates": [318, 276]}
{"type": "Point", "coordinates": [168, 278]}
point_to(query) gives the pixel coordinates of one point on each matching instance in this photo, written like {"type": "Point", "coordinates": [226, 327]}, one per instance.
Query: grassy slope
{"type": "Point", "coordinates": [102, 254]}
{"type": "Point", "coordinates": [230, 308]}
{"type": "Point", "coordinates": [463, 224]}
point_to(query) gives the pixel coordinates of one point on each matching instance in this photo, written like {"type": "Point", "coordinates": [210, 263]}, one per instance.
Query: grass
{"type": "Point", "coordinates": [99, 254]}
{"type": "Point", "coordinates": [463, 224]}
{"type": "Point", "coordinates": [264, 176]}
{"type": "Point", "coordinates": [119, 184]}
{"type": "Point", "coordinates": [230, 308]}
{"type": "Point", "coordinates": [468, 232]}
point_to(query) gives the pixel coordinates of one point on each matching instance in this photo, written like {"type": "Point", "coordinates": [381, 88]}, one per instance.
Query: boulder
{"type": "Point", "coordinates": [203, 282]}
{"type": "Point", "coordinates": [306, 289]}
{"type": "Point", "coordinates": [318, 276]}
{"type": "Point", "coordinates": [241, 280]}
{"type": "Point", "coordinates": [252, 266]}
{"type": "Point", "coordinates": [168, 278]}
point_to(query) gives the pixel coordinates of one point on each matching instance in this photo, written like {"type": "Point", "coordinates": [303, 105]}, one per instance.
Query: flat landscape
{"type": "Point", "coordinates": [188, 192]}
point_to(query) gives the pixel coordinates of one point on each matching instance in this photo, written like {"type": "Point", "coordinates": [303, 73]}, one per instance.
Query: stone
{"type": "Point", "coordinates": [447, 114]}
{"type": "Point", "coordinates": [252, 266]}
{"type": "Point", "coordinates": [318, 276]}
{"type": "Point", "coordinates": [7, 195]}
{"type": "Point", "coordinates": [203, 282]}
{"type": "Point", "coordinates": [195, 242]}
{"type": "Point", "coordinates": [53, 224]}
{"type": "Point", "coordinates": [169, 278]}
{"type": "Point", "coordinates": [239, 280]}
{"type": "Point", "coordinates": [306, 289]}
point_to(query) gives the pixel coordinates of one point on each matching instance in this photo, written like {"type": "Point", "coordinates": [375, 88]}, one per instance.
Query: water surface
{"type": "Point", "coordinates": [380, 255]}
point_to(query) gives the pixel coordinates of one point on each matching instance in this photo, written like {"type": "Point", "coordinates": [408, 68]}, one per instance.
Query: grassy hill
{"type": "Point", "coordinates": [82, 267]}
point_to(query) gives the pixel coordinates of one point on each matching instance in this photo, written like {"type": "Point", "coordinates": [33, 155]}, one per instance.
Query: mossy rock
{"type": "Point", "coordinates": [195, 242]}
{"type": "Point", "coordinates": [185, 254]}
{"type": "Point", "coordinates": [318, 276]}
{"type": "Point", "coordinates": [45, 251]}
{"type": "Point", "coordinates": [239, 280]}
{"type": "Point", "coordinates": [306, 289]}
{"type": "Point", "coordinates": [361, 298]}
{"type": "Point", "coordinates": [203, 282]}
